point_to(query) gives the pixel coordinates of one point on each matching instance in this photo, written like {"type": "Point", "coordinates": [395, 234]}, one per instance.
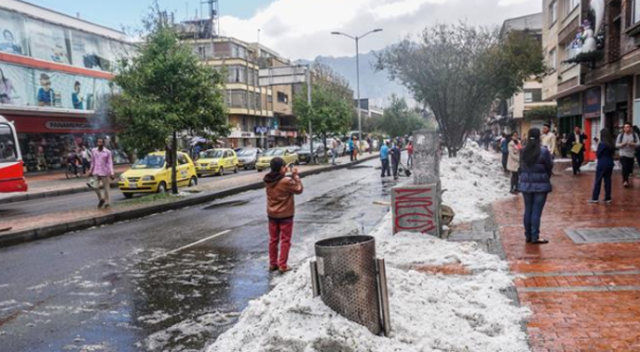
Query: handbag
{"type": "Point", "coordinates": [576, 148]}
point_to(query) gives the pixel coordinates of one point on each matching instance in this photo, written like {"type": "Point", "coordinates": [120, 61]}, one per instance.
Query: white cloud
{"type": "Point", "coordinates": [301, 28]}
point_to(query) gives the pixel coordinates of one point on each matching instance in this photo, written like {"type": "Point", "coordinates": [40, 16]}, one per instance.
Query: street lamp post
{"type": "Point", "coordinates": [357, 40]}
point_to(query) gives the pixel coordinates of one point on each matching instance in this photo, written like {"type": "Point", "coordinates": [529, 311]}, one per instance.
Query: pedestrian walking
{"type": "Point", "coordinates": [370, 143]}
{"type": "Point", "coordinates": [356, 148]}
{"type": "Point", "coordinates": [548, 139]}
{"type": "Point", "coordinates": [85, 155]}
{"type": "Point", "coordinates": [281, 188]}
{"type": "Point", "coordinates": [396, 154]}
{"type": "Point", "coordinates": [74, 162]}
{"type": "Point", "coordinates": [513, 164]}
{"type": "Point", "coordinates": [504, 149]}
{"type": "Point", "coordinates": [576, 142]}
{"type": "Point", "coordinates": [604, 168]}
{"type": "Point", "coordinates": [384, 159]}
{"type": "Point", "coordinates": [410, 154]}
{"type": "Point", "coordinates": [350, 148]}
{"type": "Point", "coordinates": [636, 130]}
{"type": "Point", "coordinates": [627, 143]}
{"type": "Point", "coordinates": [535, 184]}
{"type": "Point", "coordinates": [102, 172]}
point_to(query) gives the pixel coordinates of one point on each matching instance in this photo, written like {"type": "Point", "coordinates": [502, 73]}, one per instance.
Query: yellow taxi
{"type": "Point", "coordinates": [217, 162]}
{"type": "Point", "coordinates": [152, 174]}
{"type": "Point", "coordinates": [289, 156]}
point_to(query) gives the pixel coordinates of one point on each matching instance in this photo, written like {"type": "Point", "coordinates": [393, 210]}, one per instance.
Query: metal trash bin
{"type": "Point", "coordinates": [347, 280]}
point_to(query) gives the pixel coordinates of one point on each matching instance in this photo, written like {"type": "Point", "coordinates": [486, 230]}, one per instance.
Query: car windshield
{"type": "Point", "coordinates": [150, 162]}
{"type": "Point", "coordinates": [274, 152]}
{"type": "Point", "coordinates": [247, 152]}
{"type": "Point", "coordinates": [212, 154]}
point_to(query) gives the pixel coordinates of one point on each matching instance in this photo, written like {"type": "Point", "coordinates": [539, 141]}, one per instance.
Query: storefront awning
{"type": "Point", "coordinates": [59, 124]}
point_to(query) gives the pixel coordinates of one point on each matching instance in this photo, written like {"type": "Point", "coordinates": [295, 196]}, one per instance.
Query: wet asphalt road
{"type": "Point", "coordinates": [150, 285]}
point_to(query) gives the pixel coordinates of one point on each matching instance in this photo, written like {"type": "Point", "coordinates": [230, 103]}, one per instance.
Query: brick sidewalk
{"type": "Point", "coordinates": [584, 297]}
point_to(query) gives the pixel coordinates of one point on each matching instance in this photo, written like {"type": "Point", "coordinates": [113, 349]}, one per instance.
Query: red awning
{"type": "Point", "coordinates": [44, 124]}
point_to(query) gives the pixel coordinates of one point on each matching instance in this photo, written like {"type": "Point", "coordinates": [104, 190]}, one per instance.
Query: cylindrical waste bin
{"type": "Point", "coordinates": [347, 276]}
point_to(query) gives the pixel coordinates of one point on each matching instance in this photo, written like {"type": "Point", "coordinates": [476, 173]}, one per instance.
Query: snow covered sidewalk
{"type": "Point", "coordinates": [428, 312]}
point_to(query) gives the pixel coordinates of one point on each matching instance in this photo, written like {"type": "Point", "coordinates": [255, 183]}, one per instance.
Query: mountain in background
{"type": "Point", "coordinates": [373, 85]}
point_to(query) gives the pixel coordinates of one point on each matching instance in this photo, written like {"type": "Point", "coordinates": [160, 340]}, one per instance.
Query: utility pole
{"type": "Point", "coordinates": [311, 150]}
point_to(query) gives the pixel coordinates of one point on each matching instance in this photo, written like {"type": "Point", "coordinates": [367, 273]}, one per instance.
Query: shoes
{"type": "Point", "coordinates": [607, 201]}
{"type": "Point", "coordinates": [100, 203]}
{"type": "Point", "coordinates": [528, 240]}
{"type": "Point", "coordinates": [284, 269]}
{"type": "Point", "coordinates": [540, 241]}
{"type": "Point", "coordinates": [593, 201]}
{"type": "Point", "coordinates": [273, 268]}
{"type": "Point", "coordinates": [625, 184]}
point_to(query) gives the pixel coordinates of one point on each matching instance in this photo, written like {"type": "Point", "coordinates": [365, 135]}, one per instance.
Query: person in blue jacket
{"type": "Point", "coordinates": [604, 169]}
{"type": "Point", "coordinates": [535, 184]}
{"type": "Point", "coordinates": [384, 159]}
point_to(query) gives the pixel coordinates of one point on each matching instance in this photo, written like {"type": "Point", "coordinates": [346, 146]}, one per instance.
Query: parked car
{"type": "Point", "coordinates": [304, 154]}
{"type": "Point", "coordinates": [293, 148]}
{"type": "Point", "coordinates": [248, 157]}
{"type": "Point", "coordinates": [217, 162]}
{"type": "Point", "coordinates": [342, 148]}
{"type": "Point", "coordinates": [152, 174]}
{"type": "Point", "coordinates": [264, 162]}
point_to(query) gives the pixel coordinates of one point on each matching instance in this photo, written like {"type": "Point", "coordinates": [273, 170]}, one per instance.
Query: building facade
{"type": "Point", "coordinates": [55, 73]}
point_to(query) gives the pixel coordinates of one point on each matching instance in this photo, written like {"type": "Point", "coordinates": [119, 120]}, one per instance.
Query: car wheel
{"type": "Point", "coordinates": [259, 170]}
{"type": "Point", "coordinates": [199, 175]}
{"type": "Point", "coordinates": [297, 162]}
{"type": "Point", "coordinates": [128, 195]}
{"type": "Point", "coordinates": [221, 171]}
{"type": "Point", "coordinates": [162, 188]}
{"type": "Point", "coordinates": [193, 182]}
{"type": "Point", "coordinates": [235, 171]}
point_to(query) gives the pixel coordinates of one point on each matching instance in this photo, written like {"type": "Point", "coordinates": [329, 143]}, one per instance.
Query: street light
{"type": "Point", "coordinates": [357, 40]}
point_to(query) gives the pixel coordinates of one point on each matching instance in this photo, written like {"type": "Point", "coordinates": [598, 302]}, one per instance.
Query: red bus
{"type": "Point", "coordinates": [11, 165]}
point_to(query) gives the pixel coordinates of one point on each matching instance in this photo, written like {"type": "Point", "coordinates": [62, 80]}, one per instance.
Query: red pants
{"type": "Point", "coordinates": [279, 231]}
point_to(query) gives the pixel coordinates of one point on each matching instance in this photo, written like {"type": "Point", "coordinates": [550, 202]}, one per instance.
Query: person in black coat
{"type": "Point", "coordinates": [535, 184]}
{"type": "Point", "coordinates": [577, 158]}
{"type": "Point", "coordinates": [604, 170]}
{"type": "Point", "coordinates": [396, 154]}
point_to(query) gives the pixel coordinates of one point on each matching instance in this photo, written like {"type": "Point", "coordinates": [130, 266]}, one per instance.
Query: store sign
{"type": "Point", "coordinates": [570, 106]}
{"type": "Point", "coordinates": [68, 125]}
{"type": "Point", "coordinates": [262, 129]}
{"type": "Point", "coordinates": [28, 124]}
{"type": "Point", "coordinates": [592, 102]}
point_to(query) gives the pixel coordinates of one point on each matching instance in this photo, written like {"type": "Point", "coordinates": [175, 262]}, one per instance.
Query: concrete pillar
{"type": "Point", "coordinates": [426, 157]}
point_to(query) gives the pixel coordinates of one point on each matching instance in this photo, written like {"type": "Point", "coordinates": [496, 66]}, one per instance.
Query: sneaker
{"type": "Point", "coordinates": [593, 201]}
{"type": "Point", "coordinates": [284, 269]}
{"type": "Point", "coordinates": [273, 268]}
{"type": "Point", "coordinates": [607, 201]}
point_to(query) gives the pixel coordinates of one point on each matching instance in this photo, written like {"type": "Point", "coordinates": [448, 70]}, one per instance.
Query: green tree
{"type": "Point", "coordinates": [458, 71]}
{"type": "Point", "coordinates": [165, 90]}
{"type": "Point", "coordinates": [331, 105]}
{"type": "Point", "coordinates": [398, 119]}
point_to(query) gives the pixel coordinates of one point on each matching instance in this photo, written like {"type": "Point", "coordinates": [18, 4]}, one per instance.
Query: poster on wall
{"type": "Point", "coordinates": [90, 51]}
{"type": "Point", "coordinates": [14, 85]}
{"type": "Point", "coordinates": [48, 42]}
{"type": "Point", "coordinates": [60, 90]}
{"type": "Point", "coordinates": [13, 39]}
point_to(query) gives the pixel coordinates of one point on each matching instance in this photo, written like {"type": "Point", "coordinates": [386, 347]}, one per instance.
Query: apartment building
{"type": "Point", "coordinates": [515, 109]}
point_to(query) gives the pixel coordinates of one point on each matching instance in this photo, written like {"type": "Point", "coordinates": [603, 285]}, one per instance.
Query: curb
{"type": "Point", "coordinates": [49, 194]}
{"type": "Point", "coordinates": [29, 235]}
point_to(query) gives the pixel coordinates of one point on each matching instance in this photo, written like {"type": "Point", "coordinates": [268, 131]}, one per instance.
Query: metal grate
{"type": "Point", "coordinates": [347, 277]}
{"type": "Point", "coordinates": [604, 235]}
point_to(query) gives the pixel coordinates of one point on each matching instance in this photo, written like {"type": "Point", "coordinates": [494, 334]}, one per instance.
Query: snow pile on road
{"type": "Point", "coordinates": [592, 166]}
{"type": "Point", "coordinates": [428, 312]}
{"type": "Point", "coordinates": [472, 180]}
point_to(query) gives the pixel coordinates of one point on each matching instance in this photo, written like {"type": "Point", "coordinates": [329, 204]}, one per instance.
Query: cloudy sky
{"type": "Point", "coordinates": [301, 28]}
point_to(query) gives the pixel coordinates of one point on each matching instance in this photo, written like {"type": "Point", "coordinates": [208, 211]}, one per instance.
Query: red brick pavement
{"type": "Point", "coordinates": [584, 297]}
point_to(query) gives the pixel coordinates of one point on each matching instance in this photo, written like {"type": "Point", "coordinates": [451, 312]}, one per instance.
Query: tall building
{"type": "Point", "coordinates": [515, 109]}
{"type": "Point", "coordinates": [55, 71]}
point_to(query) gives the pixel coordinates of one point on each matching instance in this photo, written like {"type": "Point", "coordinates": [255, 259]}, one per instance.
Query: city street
{"type": "Point", "coordinates": [170, 282]}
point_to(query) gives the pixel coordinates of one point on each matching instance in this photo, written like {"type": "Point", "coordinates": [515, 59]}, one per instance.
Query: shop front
{"type": "Point", "coordinates": [47, 141]}
{"type": "Point", "coordinates": [592, 113]}
{"type": "Point", "coordinates": [616, 106]}
{"type": "Point", "coordinates": [569, 114]}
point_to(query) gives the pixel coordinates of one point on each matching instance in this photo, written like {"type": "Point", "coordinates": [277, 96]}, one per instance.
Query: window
{"type": "Point", "coordinates": [237, 74]}
{"type": "Point", "coordinates": [532, 95]}
{"type": "Point", "coordinates": [553, 13]}
{"type": "Point", "coordinates": [236, 99]}
{"type": "Point", "coordinates": [283, 98]}
{"type": "Point", "coordinates": [7, 144]}
{"type": "Point", "coordinates": [553, 58]}
{"type": "Point", "coordinates": [570, 5]}
{"type": "Point", "coordinates": [635, 12]}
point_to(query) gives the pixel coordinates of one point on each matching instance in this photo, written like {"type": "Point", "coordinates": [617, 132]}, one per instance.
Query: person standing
{"type": "Point", "coordinates": [355, 144]}
{"type": "Point", "coordinates": [102, 170]}
{"type": "Point", "coordinates": [85, 155]}
{"type": "Point", "coordinates": [351, 148]}
{"type": "Point", "coordinates": [396, 154]}
{"type": "Point", "coordinates": [604, 169]}
{"type": "Point", "coordinates": [281, 189]}
{"type": "Point", "coordinates": [370, 143]}
{"type": "Point", "coordinates": [384, 158]}
{"type": "Point", "coordinates": [576, 142]}
{"type": "Point", "coordinates": [548, 139]}
{"type": "Point", "coordinates": [410, 154]}
{"type": "Point", "coordinates": [627, 143]}
{"type": "Point", "coordinates": [504, 149]}
{"type": "Point", "coordinates": [513, 164]}
{"type": "Point", "coordinates": [334, 150]}
{"type": "Point", "coordinates": [535, 184]}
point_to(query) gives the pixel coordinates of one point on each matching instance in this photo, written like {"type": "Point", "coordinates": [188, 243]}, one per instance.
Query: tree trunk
{"type": "Point", "coordinates": [174, 162]}
{"type": "Point", "coordinates": [324, 142]}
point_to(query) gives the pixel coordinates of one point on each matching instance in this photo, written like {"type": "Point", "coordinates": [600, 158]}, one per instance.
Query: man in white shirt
{"type": "Point", "coordinates": [548, 139]}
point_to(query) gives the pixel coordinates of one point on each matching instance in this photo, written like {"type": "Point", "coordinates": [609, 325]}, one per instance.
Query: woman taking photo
{"type": "Point", "coordinates": [513, 163]}
{"type": "Point", "coordinates": [604, 170]}
{"type": "Point", "coordinates": [535, 184]}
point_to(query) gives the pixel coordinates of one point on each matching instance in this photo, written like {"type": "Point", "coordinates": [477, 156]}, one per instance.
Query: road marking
{"type": "Point", "coordinates": [189, 245]}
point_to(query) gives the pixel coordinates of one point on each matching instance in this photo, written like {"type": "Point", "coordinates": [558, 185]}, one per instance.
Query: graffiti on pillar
{"type": "Point", "coordinates": [415, 209]}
